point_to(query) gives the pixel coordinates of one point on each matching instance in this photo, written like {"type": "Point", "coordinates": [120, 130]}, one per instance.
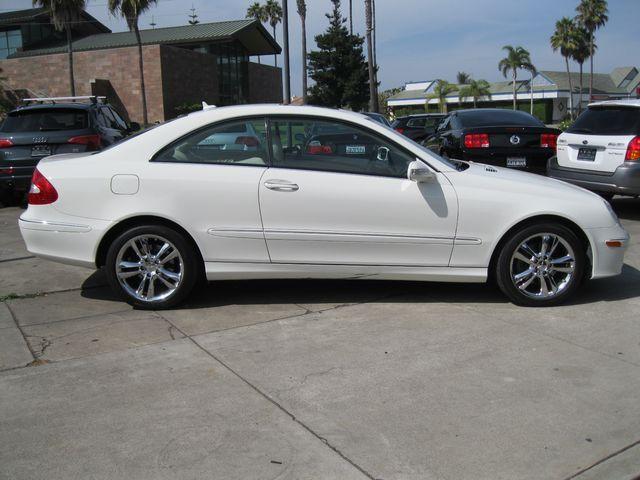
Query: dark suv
{"type": "Point", "coordinates": [51, 126]}
{"type": "Point", "coordinates": [418, 127]}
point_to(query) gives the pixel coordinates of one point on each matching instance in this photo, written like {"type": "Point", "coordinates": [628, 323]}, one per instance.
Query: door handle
{"type": "Point", "coordinates": [281, 185]}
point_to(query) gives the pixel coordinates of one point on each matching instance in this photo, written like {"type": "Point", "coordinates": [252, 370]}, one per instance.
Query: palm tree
{"type": "Point", "coordinates": [475, 89]}
{"type": "Point", "coordinates": [517, 58]}
{"type": "Point", "coordinates": [580, 55]}
{"type": "Point", "coordinates": [302, 11]}
{"type": "Point", "coordinates": [63, 14]}
{"type": "Point", "coordinates": [564, 39]}
{"type": "Point", "coordinates": [592, 14]}
{"type": "Point", "coordinates": [131, 11]}
{"type": "Point", "coordinates": [441, 91]}
{"type": "Point", "coordinates": [258, 12]}
{"type": "Point", "coordinates": [351, 17]}
{"type": "Point", "coordinates": [373, 95]}
{"type": "Point", "coordinates": [273, 11]}
{"type": "Point", "coordinates": [463, 78]}
{"type": "Point", "coordinates": [533, 71]}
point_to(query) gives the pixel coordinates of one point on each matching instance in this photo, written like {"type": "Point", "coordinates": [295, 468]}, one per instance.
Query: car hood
{"type": "Point", "coordinates": [524, 194]}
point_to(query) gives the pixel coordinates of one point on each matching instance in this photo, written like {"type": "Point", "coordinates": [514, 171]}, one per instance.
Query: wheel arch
{"type": "Point", "coordinates": [129, 222]}
{"type": "Point", "coordinates": [570, 224]}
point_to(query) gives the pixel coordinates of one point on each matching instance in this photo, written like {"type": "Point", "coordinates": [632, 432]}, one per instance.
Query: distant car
{"type": "Point", "coordinates": [418, 127]}
{"type": "Point", "coordinates": [601, 150]}
{"type": "Point", "coordinates": [500, 137]}
{"type": "Point", "coordinates": [378, 117]}
{"type": "Point", "coordinates": [46, 127]}
{"type": "Point", "coordinates": [324, 194]}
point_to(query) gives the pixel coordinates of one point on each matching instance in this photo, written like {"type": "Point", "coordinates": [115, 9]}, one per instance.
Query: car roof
{"type": "Point", "coordinates": [623, 102]}
{"type": "Point", "coordinates": [49, 106]}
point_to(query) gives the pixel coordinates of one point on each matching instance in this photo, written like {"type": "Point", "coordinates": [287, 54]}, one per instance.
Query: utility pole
{"type": "Point", "coordinates": [153, 22]}
{"type": "Point", "coordinates": [194, 16]}
{"type": "Point", "coordinates": [285, 45]}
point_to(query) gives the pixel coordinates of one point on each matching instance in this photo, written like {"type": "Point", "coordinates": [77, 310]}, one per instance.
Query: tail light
{"type": "Point", "coordinates": [476, 140]}
{"type": "Point", "coordinates": [41, 192]}
{"type": "Point", "coordinates": [5, 143]}
{"type": "Point", "coordinates": [549, 140]}
{"type": "Point", "coordinates": [633, 151]}
{"type": "Point", "coordinates": [400, 130]}
{"type": "Point", "coordinates": [92, 142]}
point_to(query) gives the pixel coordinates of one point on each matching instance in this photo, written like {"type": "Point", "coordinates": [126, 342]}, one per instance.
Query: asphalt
{"type": "Point", "coordinates": [315, 379]}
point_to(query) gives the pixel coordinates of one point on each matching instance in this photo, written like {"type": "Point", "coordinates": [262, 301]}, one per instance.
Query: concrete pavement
{"type": "Point", "coordinates": [316, 379]}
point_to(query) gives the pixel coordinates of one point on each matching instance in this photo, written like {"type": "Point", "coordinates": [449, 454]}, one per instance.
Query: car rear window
{"type": "Point", "coordinates": [48, 120]}
{"type": "Point", "coordinates": [608, 121]}
{"type": "Point", "coordinates": [496, 118]}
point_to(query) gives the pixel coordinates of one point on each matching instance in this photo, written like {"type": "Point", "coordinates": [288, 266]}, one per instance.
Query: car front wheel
{"type": "Point", "coordinates": [152, 267]}
{"type": "Point", "coordinates": [541, 265]}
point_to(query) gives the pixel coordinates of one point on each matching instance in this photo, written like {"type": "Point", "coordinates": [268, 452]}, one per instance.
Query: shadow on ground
{"type": "Point", "coordinates": [627, 208]}
{"type": "Point", "coordinates": [303, 292]}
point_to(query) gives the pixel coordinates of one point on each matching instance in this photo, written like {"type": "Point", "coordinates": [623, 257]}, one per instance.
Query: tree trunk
{"type": "Point", "coordinates": [143, 91]}
{"type": "Point", "coordinates": [566, 59]}
{"type": "Point", "coordinates": [72, 82]}
{"type": "Point", "coordinates": [351, 17]}
{"type": "Point", "coordinates": [304, 60]}
{"type": "Point", "coordinates": [375, 54]}
{"type": "Point", "coordinates": [531, 93]}
{"type": "Point", "coordinates": [275, 56]}
{"type": "Point", "coordinates": [259, 62]}
{"type": "Point", "coordinates": [591, 62]}
{"type": "Point", "coordinates": [515, 99]}
{"type": "Point", "coordinates": [475, 102]}
{"type": "Point", "coordinates": [581, 87]}
{"type": "Point", "coordinates": [372, 78]}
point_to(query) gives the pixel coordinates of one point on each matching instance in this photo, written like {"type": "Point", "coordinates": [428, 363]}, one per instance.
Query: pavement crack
{"type": "Point", "coordinates": [24, 336]}
{"type": "Point", "coordinates": [602, 460]}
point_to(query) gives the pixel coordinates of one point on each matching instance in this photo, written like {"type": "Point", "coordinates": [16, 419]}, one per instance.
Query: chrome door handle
{"type": "Point", "coordinates": [281, 186]}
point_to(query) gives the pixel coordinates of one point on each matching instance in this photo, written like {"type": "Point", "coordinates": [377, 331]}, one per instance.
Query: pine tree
{"type": "Point", "coordinates": [338, 67]}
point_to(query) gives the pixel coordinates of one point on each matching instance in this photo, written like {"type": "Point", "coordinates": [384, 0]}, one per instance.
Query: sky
{"type": "Point", "coordinates": [422, 39]}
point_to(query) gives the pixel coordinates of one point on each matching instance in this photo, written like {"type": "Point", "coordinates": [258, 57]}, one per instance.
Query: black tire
{"type": "Point", "coordinates": [503, 274]}
{"type": "Point", "coordinates": [190, 268]}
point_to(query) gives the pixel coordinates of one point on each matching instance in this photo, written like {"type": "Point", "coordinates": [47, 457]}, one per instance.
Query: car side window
{"type": "Point", "coordinates": [312, 144]}
{"type": "Point", "coordinates": [444, 125]}
{"type": "Point", "coordinates": [233, 143]}
{"type": "Point", "coordinates": [417, 122]}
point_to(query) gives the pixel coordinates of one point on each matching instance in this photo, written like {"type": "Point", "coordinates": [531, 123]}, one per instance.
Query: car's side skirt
{"type": "Point", "coordinates": [244, 271]}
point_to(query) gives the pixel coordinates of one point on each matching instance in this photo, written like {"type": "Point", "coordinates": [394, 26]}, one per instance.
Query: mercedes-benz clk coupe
{"type": "Point", "coordinates": [272, 191]}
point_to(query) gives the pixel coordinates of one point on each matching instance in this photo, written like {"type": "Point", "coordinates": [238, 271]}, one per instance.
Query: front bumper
{"type": "Point", "coordinates": [607, 261]}
{"type": "Point", "coordinates": [625, 180]}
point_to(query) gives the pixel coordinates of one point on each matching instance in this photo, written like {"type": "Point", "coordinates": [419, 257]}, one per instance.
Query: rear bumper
{"type": "Point", "coordinates": [20, 182]}
{"type": "Point", "coordinates": [536, 160]}
{"type": "Point", "coordinates": [625, 180]}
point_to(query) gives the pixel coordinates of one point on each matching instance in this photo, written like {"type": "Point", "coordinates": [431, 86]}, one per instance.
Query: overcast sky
{"type": "Point", "coordinates": [424, 39]}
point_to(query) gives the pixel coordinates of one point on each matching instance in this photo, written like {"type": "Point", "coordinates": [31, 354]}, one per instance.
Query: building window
{"type": "Point", "coordinates": [10, 42]}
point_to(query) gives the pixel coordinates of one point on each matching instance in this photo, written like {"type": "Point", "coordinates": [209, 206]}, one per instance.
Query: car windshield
{"type": "Point", "coordinates": [496, 118]}
{"type": "Point", "coordinates": [45, 120]}
{"type": "Point", "coordinates": [610, 120]}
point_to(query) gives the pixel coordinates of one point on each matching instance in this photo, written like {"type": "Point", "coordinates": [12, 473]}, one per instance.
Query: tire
{"type": "Point", "coordinates": [530, 268]}
{"type": "Point", "coordinates": [169, 266]}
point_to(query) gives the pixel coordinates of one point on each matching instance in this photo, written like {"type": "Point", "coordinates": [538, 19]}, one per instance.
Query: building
{"type": "Point", "coordinates": [550, 93]}
{"type": "Point", "coordinates": [182, 65]}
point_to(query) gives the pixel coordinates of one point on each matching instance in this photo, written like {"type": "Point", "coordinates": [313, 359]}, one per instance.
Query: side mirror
{"type": "Point", "coordinates": [134, 127]}
{"type": "Point", "coordinates": [383, 154]}
{"type": "Point", "coordinates": [300, 137]}
{"type": "Point", "coordinates": [418, 172]}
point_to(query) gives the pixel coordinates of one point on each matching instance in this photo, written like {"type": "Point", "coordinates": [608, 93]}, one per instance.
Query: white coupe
{"type": "Point", "coordinates": [271, 191]}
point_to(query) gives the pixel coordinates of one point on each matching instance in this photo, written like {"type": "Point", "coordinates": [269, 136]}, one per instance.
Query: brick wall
{"type": "Point", "coordinates": [49, 75]}
{"type": "Point", "coordinates": [187, 77]}
{"type": "Point", "coordinates": [265, 83]}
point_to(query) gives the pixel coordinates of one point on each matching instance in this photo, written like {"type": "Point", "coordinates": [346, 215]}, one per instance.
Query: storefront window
{"type": "Point", "coordinates": [10, 42]}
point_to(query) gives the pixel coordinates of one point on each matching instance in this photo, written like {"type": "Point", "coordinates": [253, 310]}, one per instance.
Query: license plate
{"type": "Point", "coordinates": [356, 149]}
{"type": "Point", "coordinates": [516, 162]}
{"type": "Point", "coordinates": [587, 154]}
{"type": "Point", "coordinates": [40, 150]}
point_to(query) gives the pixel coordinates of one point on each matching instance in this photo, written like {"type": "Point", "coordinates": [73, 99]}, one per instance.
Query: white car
{"type": "Point", "coordinates": [317, 193]}
{"type": "Point", "coordinates": [601, 150]}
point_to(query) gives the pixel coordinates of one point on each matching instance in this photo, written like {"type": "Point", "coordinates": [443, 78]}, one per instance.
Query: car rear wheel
{"type": "Point", "coordinates": [152, 267]}
{"type": "Point", "coordinates": [541, 265]}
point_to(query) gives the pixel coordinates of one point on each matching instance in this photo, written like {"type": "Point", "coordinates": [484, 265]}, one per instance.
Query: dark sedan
{"type": "Point", "coordinates": [504, 138]}
{"type": "Point", "coordinates": [418, 127]}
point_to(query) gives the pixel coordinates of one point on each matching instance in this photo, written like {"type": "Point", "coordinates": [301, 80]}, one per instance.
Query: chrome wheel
{"type": "Point", "coordinates": [149, 268]}
{"type": "Point", "coordinates": [543, 265]}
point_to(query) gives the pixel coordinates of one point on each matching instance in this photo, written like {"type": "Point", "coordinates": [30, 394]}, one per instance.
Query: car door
{"type": "Point", "coordinates": [342, 196]}
{"type": "Point", "coordinates": [209, 181]}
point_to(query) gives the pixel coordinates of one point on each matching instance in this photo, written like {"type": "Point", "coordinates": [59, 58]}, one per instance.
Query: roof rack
{"type": "Point", "coordinates": [91, 98]}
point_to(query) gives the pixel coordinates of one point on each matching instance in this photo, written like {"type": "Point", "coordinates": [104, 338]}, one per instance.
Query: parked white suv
{"type": "Point", "coordinates": [601, 150]}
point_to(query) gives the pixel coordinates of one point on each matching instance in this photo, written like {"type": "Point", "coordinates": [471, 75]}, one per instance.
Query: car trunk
{"type": "Point", "coordinates": [512, 137]}
{"type": "Point", "coordinates": [593, 152]}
